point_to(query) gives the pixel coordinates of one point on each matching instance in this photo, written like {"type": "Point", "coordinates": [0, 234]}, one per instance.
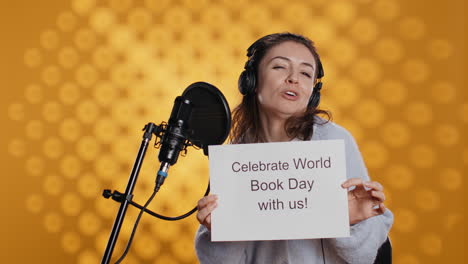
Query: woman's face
{"type": "Point", "coordinates": [286, 77]}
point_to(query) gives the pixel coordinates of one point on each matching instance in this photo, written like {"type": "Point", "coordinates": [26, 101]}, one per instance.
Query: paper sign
{"type": "Point", "coordinates": [275, 191]}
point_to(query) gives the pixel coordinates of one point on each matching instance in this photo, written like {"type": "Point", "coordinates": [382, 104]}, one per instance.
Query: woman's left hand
{"type": "Point", "coordinates": [364, 201]}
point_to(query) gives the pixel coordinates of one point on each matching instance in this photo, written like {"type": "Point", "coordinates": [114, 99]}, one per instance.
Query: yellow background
{"type": "Point", "coordinates": [79, 79]}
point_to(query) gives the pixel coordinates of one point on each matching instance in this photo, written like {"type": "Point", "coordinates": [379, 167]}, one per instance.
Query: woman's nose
{"type": "Point", "coordinates": [292, 78]}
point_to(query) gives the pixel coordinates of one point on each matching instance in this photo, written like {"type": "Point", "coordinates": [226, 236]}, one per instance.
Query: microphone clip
{"type": "Point", "coordinates": [162, 128]}
{"type": "Point", "coordinates": [159, 134]}
{"type": "Point", "coordinates": [151, 129]}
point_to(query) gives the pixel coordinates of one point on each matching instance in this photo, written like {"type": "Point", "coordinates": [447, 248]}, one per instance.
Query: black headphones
{"type": "Point", "coordinates": [248, 78]}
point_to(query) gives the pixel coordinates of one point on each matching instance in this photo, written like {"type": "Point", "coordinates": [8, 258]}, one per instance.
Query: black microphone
{"type": "Point", "coordinates": [175, 137]}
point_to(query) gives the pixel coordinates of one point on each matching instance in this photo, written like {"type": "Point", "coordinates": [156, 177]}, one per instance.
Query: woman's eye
{"type": "Point", "coordinates": [307, 74]}
{"type": "Point", "coordinates": [278, 67]}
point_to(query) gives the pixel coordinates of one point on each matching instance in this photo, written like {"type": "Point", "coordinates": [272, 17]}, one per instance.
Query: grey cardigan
{"type": "Point", "coordinates": [361, 247]}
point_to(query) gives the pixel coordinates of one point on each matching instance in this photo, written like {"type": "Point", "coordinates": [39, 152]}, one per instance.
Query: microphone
{"type": "Point", "coordinates": [200, 117]}
{"type": "Point", "coordinates": [175, 138]}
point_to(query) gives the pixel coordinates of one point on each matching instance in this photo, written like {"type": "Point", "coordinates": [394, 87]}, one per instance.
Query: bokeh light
{"type": "Point", "coordinates": [104, 69]}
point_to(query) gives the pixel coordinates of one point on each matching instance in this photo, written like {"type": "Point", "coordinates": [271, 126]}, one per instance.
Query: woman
{"type": "Point", "coordinates": [281, 86]}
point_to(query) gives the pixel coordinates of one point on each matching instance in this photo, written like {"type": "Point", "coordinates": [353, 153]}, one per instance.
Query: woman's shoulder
{"type": "Point", "coordinates": [324, 130]}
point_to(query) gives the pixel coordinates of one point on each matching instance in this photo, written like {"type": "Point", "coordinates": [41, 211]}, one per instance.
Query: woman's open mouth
{"type": "Point", "coordinates": [290, 95]}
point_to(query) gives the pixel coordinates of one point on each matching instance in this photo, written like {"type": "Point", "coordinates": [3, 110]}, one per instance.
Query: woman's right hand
{"type": "Point", "coordinates": [206, 205]}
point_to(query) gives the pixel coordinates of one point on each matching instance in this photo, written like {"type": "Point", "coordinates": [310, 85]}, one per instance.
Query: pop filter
{"type": "Point", "coordinates": [210, 121]}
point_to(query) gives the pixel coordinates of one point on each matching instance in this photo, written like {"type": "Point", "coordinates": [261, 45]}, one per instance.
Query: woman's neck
{"type": "Point", "coordinates": [273, 128]}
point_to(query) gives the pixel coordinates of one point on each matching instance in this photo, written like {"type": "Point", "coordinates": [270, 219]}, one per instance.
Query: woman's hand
{"type": "Point", "coordinates": [364, 203]}
{"type": "Point", "coordinates": [206, 205]}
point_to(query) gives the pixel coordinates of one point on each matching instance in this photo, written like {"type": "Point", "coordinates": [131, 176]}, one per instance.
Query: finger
{"type": "Point", "coordinates": [205, 200]}
{"type": "Point", "coordinates": [201, 216]}
{"type": "Point", "coordinates": [380, 196]}
{"type": "Point", "coordinates": [351, 182]}
{"type": "Point", "coordinates": [205, 211]}
{"type": "Point", "coordinates": [380, 210]}
{"type": "Point", "coordinates": [208, 221]}
{"type": "Point", "coordinates": [374, 185]}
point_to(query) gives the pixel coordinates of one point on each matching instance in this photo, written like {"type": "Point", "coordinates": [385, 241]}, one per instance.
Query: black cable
{"type": "Point", "coordinates": [170, 218]}
{"type": "Point", "coordinates": [135, 226]}
{"type": "Point", "coordinates": [323, 251]}
{"type": "Point", "coordinates": [167, 218]}
{"type": "Point", "coordinates": [117, 196]}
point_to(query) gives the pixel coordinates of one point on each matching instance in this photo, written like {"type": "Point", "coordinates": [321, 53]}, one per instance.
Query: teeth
{"type": "Point", "coordinates": [291, 93]}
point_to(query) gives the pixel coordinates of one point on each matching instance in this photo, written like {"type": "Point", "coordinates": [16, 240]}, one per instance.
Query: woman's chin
{"type": "Point", "coordinates": [286, 113]}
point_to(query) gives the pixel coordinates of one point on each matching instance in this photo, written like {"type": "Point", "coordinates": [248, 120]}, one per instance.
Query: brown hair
{"type": "Point", "coordinates": [246, 125]}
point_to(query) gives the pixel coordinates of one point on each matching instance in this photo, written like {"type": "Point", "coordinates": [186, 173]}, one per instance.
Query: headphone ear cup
{"type": "Point", "coordinates": [247, 82]}
{"type": "Point", "coordinates": [315, 98]}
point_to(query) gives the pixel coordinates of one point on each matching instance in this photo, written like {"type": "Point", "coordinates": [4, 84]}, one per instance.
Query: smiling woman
{"type": "Point", "coordinates": [281, 85]}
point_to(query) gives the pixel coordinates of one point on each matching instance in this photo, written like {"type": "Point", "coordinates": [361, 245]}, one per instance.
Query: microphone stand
{"type": "Point", "coordinates": [149, 129]}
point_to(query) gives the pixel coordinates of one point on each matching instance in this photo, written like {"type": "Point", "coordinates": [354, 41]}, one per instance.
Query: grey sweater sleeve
{"type": "Point", "coordinates": [368, 235]}
{"type": "Point", "coordinates": [218, 252]}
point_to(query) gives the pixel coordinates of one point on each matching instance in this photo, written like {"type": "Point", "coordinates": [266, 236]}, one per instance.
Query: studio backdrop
{"type": "Point", "coordinates": [80, 79]}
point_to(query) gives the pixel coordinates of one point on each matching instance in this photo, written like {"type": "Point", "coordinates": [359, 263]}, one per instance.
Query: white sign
{"type": "Point", "coordinates": [275, 191]}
